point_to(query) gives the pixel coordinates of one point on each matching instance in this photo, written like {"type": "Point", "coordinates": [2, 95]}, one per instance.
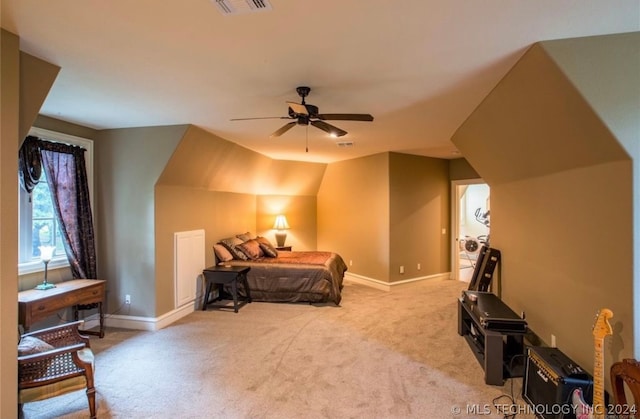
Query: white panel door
{"type": "Point", "coordinates": [189, 263]}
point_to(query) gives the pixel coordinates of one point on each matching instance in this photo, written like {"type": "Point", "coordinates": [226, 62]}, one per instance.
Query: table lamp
{"type": "Point", "coordinates": [281, 225]}
{"type": "Point", "coordinates": [46, 254]}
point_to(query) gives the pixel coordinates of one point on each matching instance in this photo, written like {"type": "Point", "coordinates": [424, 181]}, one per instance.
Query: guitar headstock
{"type": "Point", "coordinates": [602, 328]}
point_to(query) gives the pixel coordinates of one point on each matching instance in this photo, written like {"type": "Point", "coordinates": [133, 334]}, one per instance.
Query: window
{"type": "Point", "coordinates": [38, 225]}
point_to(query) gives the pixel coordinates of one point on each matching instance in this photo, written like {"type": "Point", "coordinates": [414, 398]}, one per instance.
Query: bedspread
{"type": "Point", "coordinates": [309, 276]}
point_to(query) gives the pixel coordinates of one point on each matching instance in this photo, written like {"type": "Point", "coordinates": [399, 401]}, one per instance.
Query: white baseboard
{"type": "Point", "coordinates": [386, 286]}
{"type": "Point", "coordinates": [141, 323]}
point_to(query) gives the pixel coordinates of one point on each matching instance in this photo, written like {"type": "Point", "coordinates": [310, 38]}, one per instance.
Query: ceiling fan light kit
{"type": "Point", "coordinates": [307, 114]}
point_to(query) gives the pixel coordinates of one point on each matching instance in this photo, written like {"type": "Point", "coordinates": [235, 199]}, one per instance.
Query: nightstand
{"type": "Point", "coordinates": [287, 248]}
{"type": "Point", "coordinates": [218, 276]}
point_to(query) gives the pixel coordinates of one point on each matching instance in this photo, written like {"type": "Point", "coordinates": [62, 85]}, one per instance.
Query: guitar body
{"type": "Point", "coordinates": [601, 328]}
{"type": "Point", "coordinates": [581, 408]}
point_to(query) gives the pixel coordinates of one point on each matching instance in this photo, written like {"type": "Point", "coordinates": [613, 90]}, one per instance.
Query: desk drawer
{"type": "Point", "coordinates": [48, 306]}
{"type": "Point", "coordinates": [89, 295]}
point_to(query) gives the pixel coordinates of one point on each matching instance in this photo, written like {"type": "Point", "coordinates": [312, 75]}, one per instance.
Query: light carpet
{"type": "Point", "coordinates": [380, 354]}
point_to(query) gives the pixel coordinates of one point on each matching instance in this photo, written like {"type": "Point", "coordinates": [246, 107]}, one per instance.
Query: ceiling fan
{"type": "Point", "coordinates": [305, 114]}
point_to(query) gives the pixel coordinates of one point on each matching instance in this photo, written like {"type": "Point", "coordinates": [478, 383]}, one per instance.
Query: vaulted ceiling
{"type": "Point", "coordinates": [420, 67]}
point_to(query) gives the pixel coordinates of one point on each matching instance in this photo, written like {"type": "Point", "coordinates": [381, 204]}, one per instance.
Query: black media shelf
{"type": "Point", "coordinates": [496, 341]}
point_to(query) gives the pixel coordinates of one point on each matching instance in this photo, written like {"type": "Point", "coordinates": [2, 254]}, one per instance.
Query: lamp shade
{"type": "Point", "coordinates": [281, 223]}
{"type": "Point", "coordinates": [46, 253]}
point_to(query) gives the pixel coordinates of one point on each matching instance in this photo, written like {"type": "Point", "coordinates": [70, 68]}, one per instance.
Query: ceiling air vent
{"type": "Point", "coordinates": [345, 144]}
{"type": "Point", "coordinates": [236, 7]}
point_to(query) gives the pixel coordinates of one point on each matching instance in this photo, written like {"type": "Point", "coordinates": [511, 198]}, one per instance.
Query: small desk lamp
{"type": "Point", "coordinates": [46, 254]}
{"type": "Point", "coordinates": [281, 225]}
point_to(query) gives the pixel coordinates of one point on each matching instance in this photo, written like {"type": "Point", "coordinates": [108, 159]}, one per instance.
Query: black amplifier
{"type": "Point", "coordinates": [549, 380]}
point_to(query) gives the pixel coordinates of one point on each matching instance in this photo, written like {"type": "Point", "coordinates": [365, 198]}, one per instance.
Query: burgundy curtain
{"type": "Point", "coordinates": [65, 168]}
{"type": "Point", "coordinates": [29, 163]}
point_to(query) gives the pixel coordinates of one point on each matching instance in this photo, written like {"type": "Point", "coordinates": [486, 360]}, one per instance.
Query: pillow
{"type": "Point", "coordinates": [251, 248]}
{"type": "Point", "coordinates": [30, 345]}
{"type": "Point", "coordinates": [231, 243]}
{"type": "Point", "coordinates": [264, 240]}
{"type": "Point", "coordinates": [222, 254]}
{"type": "Point", "coordinates": [244, 236]}
{"type": "Point", "coordinates": [267, 247]}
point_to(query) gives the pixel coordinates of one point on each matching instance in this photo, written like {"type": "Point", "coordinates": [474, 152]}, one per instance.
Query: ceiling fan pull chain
{"type": "Point", "coordinates": [307, 139]}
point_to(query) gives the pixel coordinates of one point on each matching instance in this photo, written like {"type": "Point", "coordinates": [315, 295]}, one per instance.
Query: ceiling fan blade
{"type": "Point", "coordinates": [283, 129]}
{"type": "Point", "coordinates": [335, 131]}
{"type": "Point", "coordinates": [265, 117]}
{"type": "Point", "coordinates": [345, 117]}
{"type": "Point", "coordinates": [298, 108]}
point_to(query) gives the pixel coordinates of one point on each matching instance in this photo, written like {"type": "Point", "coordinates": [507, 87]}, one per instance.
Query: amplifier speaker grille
{"type": "Point", "coordinates": [547, 388]}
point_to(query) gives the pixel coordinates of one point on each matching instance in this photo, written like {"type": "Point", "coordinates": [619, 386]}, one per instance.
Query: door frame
{"type": "Point", "coordinates": [455, 222]}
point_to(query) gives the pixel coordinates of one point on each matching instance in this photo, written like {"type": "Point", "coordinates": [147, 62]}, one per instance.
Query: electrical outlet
{"type": "Point", "coordinates": [350, 262]}
{"type": "Point", "coordinates": [553, 341]}
{"type": "Point", "coordinates": [127, 299]}
{"type": "Point", "coordinates": [419, 266]}
{"type": "Point", "coordinates": [402, 269]}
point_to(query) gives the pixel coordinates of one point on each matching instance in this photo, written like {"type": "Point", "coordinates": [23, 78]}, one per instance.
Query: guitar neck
{"type": "Point", "coordinates": [598, 378]}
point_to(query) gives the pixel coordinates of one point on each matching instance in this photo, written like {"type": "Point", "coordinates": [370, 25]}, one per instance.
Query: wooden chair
{"type": "Point", "coordinates": [64, 363]}
{"type": "Point", "coordinates": [626, 374]}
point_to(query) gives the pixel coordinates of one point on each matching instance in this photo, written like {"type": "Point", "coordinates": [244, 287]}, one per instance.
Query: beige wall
{"type": "Point", "coordinates": [57, 125]}
{"type": "Point", "coordinates": [128, 162]}
{"type": "Point", "coordinates": [561, 190]}
{"type": "Point", "coordinates": [206, 161]}
{"type": "Point", "coordinates": [301, 213]}
{"type": "Point", "coordinates": [419, 209]}
{"type": "Point", "coordinates": [567, 252]}
{"type": "Point", "coordinates": [384, 211]}
{"type": "Point", "coordinates": [460, 169]}
{"type": "Point", "coordinates": [553, 123]}
{"type": "Point", "coordinates": [177, 208]}
{"type": "Point", "coordinates": [353, 214]}
{"type": "Point", "coordinates": [9, 140]}
{"type": "Point", "coordinates": [36, 78]}
{"type": "Point", "coordinates": [616, 59]}
{"type": "Point", "coordinates": [26, 81]}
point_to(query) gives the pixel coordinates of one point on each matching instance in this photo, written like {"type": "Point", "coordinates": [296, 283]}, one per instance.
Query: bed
{"type": "Point", "coordinates": [284, 276]}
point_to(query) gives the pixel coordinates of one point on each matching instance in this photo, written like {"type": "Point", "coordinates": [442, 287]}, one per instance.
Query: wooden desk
{"type": "Point", "coordinates": [35, 305]}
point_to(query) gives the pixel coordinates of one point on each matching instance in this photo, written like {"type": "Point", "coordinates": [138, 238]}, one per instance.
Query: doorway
{"type": "Point", "coordinates": [471, 225]}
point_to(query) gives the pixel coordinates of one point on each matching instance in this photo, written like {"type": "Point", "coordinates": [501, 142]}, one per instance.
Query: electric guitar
{"type": "Point", "coordinates": [601, 328]}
